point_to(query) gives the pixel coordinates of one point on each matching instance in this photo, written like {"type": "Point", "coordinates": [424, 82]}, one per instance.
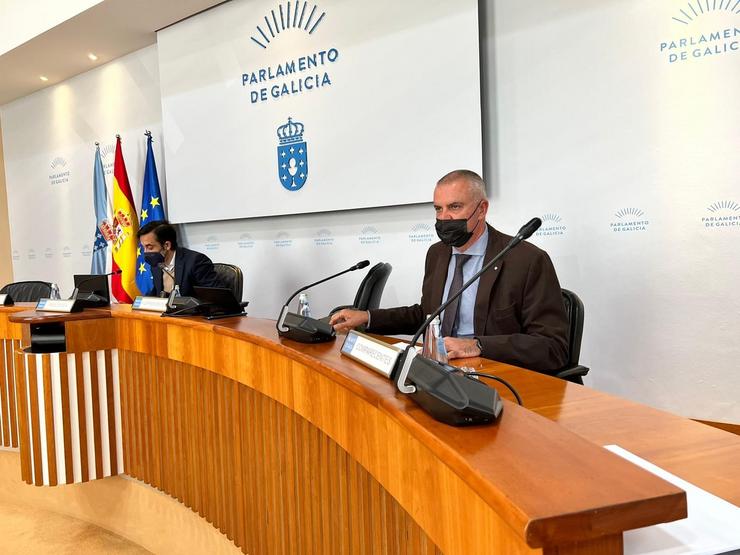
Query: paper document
{"type": "Point", "coordinates": [712, 527]}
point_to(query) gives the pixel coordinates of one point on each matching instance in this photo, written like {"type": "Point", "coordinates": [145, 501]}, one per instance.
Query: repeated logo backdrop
{"type": "Point", "coordinates": [49, 147]}
{"type": "Point", "coordinates": [617, 123]}
{"type": "Point", "coordinates": [629, 158]}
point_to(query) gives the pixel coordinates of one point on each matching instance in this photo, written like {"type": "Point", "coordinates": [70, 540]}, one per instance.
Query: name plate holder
{"type": "Point", "coordinates": [371, 352]}
{"type": "Point", "coordinates": [58, 305]}
{"type": "Point", "coordinates": [150, 304]}
{"type": "Point", "coordinates": [6, 300]}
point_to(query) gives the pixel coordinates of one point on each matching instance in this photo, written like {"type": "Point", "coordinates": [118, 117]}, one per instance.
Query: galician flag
{"type": "Point", "coordinates": [125, 226]}
{"type": "Point", "coordinates": [102, 225]}
{"type": "Point", "coordinates": [151, 211]}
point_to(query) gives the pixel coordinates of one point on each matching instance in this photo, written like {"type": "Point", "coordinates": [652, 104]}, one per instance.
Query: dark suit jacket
{"type": "Point", "coordinates": [519, 312]}
{"type": "Point", "coordinates": [191, 268]}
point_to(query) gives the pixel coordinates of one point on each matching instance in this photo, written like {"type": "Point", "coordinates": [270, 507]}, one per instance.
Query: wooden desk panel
{"type": "Point", "coordinates": [10, 337]}
{"type": "Point", "coordinates": [700, 454]}
{"type": "Point", "coordinates": [293, 448]}
{"type": "Point", "coordinates": [411, 456]}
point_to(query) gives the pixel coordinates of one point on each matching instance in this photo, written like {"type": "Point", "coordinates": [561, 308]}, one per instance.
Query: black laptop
{"type": "Point", "coordinates": [92, 290]}
{"type": "Point", "coordinates": [218, 302]}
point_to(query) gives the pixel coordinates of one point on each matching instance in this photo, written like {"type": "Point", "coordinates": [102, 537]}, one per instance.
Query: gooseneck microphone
{"type": "Point", "coordinates": [303, 328]}
{"type": "Point", "coordinates": [161, 266]}
{"type": "Point", "coordinates": [447, 395]}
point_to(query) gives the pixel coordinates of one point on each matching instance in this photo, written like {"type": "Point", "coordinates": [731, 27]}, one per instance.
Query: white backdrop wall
{"type": "Point", "coordinates": [627, 156]}
{"type": "Point", "coordinates": [631, 159]}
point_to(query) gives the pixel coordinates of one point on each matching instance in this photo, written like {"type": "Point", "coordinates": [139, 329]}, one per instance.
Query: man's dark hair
{"type": "Point", "coordinates": [163, 231]}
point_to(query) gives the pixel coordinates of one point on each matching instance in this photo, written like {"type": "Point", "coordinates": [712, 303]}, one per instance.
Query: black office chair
{"type": "Point", "coordinates": [27, 291]}
{"type": "Point", "coordinates": [572, 371]}
{"type": "Point", "coordinates": [371, 289]}
{"type": "Point", "coordinates": [232, 277]}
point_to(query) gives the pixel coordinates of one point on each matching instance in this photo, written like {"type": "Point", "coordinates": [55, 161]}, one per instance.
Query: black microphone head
{"type": "Point", "coordinates": [529, 228]}
{"type": "Point", "coordinates": [361, 265]}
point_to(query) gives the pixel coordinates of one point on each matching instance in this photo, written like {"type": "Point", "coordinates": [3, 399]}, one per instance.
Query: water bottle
{"type": "Point", "coordinates": [303, 308]}
{"type": "Point", "coordinates": [434, 343]}
{"type": "Point", "coordinates": [54, 292]}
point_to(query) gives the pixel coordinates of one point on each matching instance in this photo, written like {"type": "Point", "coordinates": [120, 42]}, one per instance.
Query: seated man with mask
{"type": "Point", "coordinates": [174, 265]}
{"type": "Point", "coordinates": [513, 313]}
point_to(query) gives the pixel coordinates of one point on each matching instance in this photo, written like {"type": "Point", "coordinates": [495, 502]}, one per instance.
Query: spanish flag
{"type": "Point", "coordinates": [125, 227]}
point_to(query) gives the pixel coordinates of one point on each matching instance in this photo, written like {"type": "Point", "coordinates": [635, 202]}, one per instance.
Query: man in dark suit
{"type": "Point", "coordinates": [514, 313]}
{"type": "Point", "coordinates": [174, 265]}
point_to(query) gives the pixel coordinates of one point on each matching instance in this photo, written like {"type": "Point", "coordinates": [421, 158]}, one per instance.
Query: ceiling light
{"type": "Point", "coordinates": [92, 56]}
{"type": "Point", "coordinates": [43, 78]}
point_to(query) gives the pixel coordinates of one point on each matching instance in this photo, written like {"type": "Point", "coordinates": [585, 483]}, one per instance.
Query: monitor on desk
{"type": "Point", "coordinates": [93, 288]}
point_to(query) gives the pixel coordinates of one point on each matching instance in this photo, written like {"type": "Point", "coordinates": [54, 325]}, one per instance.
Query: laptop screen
{"type": "Point", "coordinates": [87, 283]}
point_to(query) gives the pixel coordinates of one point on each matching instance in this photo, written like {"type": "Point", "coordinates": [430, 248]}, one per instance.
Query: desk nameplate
{"type": "Point", "coordinates": [57, 305]}
{"type": "Point", "coordinates": [152, 304]}
{"type": "Point", "coordinates": [371, 352]}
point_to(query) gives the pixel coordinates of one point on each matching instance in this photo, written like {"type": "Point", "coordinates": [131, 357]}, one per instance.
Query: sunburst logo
{"type": "Point", "coordinates": [722, 214]}
{"type": "Point", "coordinates": [283, 239]}
{"type": "Point", "coordinates": [31, 254]}
{"type": "Point", "coordinates": [369, 236]}
{"type": "Point", "coordinates": [59, 171]}
{"type": "Point", "coordinates": [710, 28]}
{"type": "Point", "coordinates": [16, 255]}
{"type": "Point", "coordinates": [67, 252]}
{"type": "Point", "coordinates": [48, 253]}
{"type": "Point", "coordinates": [421, 233]}
{"type": "Point", "coordinates": [245, 241]}
{"type": "Point", "coordinates": [324, 238]}
{"type": "Point", "coordinates": [302, 72]}
{"type": "Point", "coordinates": [693, 10]}
{"type": "Point", "coordinates": [724, 205]}
{"type": "Point", "coordinates": [552, 225]}
{"type": "Point", "coordinates": [290, 16]}
{"type": "Point", "coordinates": [212, 243]}
{"type": "Point", "coordinates": [628, 220]}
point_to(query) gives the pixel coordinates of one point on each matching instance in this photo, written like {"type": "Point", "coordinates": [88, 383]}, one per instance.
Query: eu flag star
{"type": "Point", "coordinates": [138, 252]}
{"type": "Point", "coordinates": [154, 202]}
{"type": "Point", "coordinates": [144, 214]}
{"type": "Point", "coordinates": [142, 269]}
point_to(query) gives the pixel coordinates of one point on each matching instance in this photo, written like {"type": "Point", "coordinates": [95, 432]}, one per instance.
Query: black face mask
{"type": "Point", "coordinates": [455, 232]}
{"type": "Point", "coordinates": [154, 259]}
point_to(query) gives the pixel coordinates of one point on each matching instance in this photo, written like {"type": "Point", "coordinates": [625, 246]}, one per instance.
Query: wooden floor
{"type": "Point", "coordinates": [29, 530]}
{"type": "Point", "coordinates": [113, 515]}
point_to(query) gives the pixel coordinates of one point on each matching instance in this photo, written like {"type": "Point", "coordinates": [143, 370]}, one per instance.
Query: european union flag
{"type": "Point", "coordinates": [151, 210]}
{"type": "Point", "coordinates": [100, 247]}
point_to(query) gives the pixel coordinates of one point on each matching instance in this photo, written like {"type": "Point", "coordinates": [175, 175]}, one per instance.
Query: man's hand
{"type": "Point", "coordinates": [347, 319]}
{"type": "Point", "coordinates": [461, 348]}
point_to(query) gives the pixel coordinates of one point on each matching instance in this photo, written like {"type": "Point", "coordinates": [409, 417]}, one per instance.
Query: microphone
{"type": "Point", "coordinates": [303, 328]}
{"type": "Point", "coordinates": [165, 270]}
{"type": "Point", "coordinates": [91, 299]}
{"type": "Point", "coordinates": [438, 388]}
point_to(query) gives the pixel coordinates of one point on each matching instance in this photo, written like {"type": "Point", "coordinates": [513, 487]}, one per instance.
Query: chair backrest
{"type": "Point", "coordinates": [372, 286]}
{"type": "Point", "coordinates": [27, 291]}
{"type": "Point", "coordinates": [232, 277]}
{"type": "Point", "coordinates": [574, 311]}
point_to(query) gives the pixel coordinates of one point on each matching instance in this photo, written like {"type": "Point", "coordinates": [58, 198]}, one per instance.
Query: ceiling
{"type": "Point", "coordinates": [109, 30]}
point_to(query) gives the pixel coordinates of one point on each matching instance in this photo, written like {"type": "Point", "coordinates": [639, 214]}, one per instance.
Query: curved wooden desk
{"type": "Point", "coordinates": [289, 448]}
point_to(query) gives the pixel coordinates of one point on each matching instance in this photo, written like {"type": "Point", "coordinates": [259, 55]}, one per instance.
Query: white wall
{"type": "Point", "coordinates": [584, 117]}
{"type": "Point", "coordinates": [593, 120]}
{"type": "Point", "coordinates": [49, 141]}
